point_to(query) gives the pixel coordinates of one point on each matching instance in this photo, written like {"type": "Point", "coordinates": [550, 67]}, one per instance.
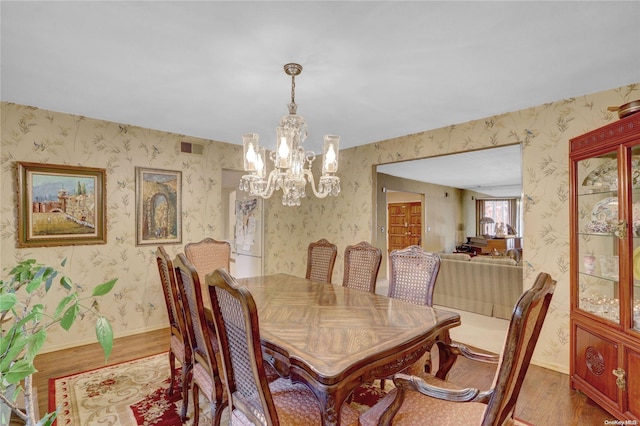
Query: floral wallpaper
{"type": "Point", "coordinates": [136, 305]}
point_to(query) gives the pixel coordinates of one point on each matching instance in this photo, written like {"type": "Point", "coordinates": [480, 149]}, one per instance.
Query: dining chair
{"type": "Point", "coordinates": [179, 345]}
{"type": "Point", "coordinates": [205, 375]}
{"type": "Point", "coordinates": [426, 399]}
{"type": "Point", "coordinates": [361, 266]}
{"type": "Point", "coordinates": [206, 256]}
{"type": "Point", "coordinates": [252, 399]}
{"type": "Point", "coordinates": [412, 277]}
{"type": "Point", "coordinates": [321, 257]}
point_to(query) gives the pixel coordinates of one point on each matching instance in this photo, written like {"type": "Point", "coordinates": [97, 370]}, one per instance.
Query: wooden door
{"type": "Point", "coordinates": [405, 225]}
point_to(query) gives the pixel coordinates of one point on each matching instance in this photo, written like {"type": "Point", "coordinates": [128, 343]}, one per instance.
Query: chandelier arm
{"type": "Point", "coordinates": [269, 187]}
{"type": "Point", "coordinates": [312, 184]}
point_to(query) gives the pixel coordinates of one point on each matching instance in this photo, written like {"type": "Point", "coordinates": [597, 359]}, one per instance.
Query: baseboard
{"type": "Point", "coordinates": [59, 347]}
{"type": "Point", "coordinates": [560, 368]}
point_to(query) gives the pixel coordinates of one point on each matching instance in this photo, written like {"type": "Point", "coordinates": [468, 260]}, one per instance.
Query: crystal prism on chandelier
{"type": "Point", "coordinates": [292, 164]}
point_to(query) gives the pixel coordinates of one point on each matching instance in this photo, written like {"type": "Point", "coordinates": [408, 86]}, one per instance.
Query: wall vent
{"type": "Point", "coordinates": [191, 148]}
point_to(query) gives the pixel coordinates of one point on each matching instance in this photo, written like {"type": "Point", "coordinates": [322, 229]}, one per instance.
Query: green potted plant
{"type": "Point", "coordinates": [24, 323]}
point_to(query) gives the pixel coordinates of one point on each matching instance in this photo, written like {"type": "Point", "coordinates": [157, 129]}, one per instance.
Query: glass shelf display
{"type": "Point", "coordinates": [598, 228]}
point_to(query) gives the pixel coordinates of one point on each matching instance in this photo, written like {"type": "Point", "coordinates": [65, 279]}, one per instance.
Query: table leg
{"type": "Point", "coordinates": [446, 357]}
{"type": "Point", "coordinates": [330, 399]}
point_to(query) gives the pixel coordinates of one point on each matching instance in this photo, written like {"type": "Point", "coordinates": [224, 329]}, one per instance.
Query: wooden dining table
{"type": "Point", "coordinates": [334, 338]}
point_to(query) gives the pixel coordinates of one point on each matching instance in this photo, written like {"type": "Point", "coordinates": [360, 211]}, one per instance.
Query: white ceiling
{"type": "Point", "coordinates": [372, 70]}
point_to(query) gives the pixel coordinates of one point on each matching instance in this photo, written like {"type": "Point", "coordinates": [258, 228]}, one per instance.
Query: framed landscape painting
{"type": "Point", "coordinates": [60, 205]}
{"type": "Point", "coordinates": [158, 206]}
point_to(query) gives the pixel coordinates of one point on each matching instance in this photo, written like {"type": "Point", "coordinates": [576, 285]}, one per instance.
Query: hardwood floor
{"type": "Point", "coordinates": [545, 399]}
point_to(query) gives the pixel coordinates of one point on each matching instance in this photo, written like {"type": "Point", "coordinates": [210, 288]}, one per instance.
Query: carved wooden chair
{"type": "Point", "coordinates": [179, 345]}
{"type": "Point", "coordinates": [207, 256]}
{"type": "Point", "coordinates": [252, 399]}
{"type": "Point", "coordinates": [428, 400]}
{"type": "Point", "coordinates": [412, 275]}
{"type": "Point", "coordinates": [205, 372]}
{"type": "Point", "coordinates": [412, 278]}
{"type": "Point", "coordinates": [361, 266]}
{"type": "Point", "coordinates": [321, 258]}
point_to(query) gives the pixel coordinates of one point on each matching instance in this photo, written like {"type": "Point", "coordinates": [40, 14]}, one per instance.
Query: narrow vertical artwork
{"type": "Point", "coordinates": [158, 206]}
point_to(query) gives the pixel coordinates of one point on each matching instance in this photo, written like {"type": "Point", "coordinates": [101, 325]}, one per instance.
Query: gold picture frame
{"type": "Point", "coordinates": [61, 205]}
{"type": "Point", "coordinates": [158, 206]}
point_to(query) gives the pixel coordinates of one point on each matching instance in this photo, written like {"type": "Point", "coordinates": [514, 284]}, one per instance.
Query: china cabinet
{"type": "Point", "coordinates": [605, 266]}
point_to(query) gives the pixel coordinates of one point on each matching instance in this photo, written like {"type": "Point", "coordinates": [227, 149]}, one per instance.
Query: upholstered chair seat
{"type": "Point", "coordinates": [415, 407]}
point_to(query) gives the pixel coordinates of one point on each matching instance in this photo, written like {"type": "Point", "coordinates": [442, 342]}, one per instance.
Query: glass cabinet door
{"type": "Point", "coordinates": [598, 244]}
{"type": "Point", "coordinates": [635, 233]}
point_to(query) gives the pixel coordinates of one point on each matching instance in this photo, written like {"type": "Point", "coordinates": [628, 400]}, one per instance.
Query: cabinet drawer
{"type": "Point", "coordinates": [595, 359]}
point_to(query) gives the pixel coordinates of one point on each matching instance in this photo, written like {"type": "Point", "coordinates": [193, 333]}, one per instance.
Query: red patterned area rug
{"type": "Point", "coordinates": [130, 393]}
{"type": "Point", "coordinates": [134, 393]}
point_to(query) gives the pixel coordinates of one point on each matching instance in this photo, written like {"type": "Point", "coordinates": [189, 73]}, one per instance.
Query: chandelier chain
{"type": "Point", "coordinates": [293, 89]}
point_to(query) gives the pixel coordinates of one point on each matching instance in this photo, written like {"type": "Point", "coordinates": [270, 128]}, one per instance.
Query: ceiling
{"type": "Point", "coordinates": [372, 70]}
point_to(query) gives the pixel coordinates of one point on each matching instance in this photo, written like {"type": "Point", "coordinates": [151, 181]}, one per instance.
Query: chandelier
{"type": "Point", "coordinates": [292, 164]}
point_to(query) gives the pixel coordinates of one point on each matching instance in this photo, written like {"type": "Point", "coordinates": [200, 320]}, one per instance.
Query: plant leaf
{"type": "Point", "coordinates": [7, 301]}
{"type": "Point", "coordinates": [35, 344]}
{"type": "Point", "coordinates": [63, 304]}
{"type": "Point", "coordinates": [66, 283]}
{"type": "Point", "coordinates": [34, 284]}
{"type": "Point", "coordinates": [15, 348]}
{"type": "Point", "coordinates": [18, 371]}
{"type": "Point", "coordinates": [48, 419]}
{"type": "Point", "coordinates": [50, 278]}
{"type": "Point", "coordinates": [104, 333]}
{"type": "Point", "coordinates": [35, 315]}
{"type": "Point", "coordinates": [69, 316]}
{"type": "Point", "coordinates": [102, 289]}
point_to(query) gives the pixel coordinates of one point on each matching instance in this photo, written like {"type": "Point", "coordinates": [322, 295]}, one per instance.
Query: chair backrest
{"type": "Point", "coordinates": [412, 275]}
{"type": "Point", "coordinates": [321, 258]}
{"type": "Point", "coordinates": [206, 256]}
{"type": "Point", "coordinates": [361, 266]}
{"type": "Point", "coordinates": [172, 298]}
{"type": "Point", "coordinates": [236, 320]}
{"type": "Point", "coordinates": [526, 322]}
{"type": "Point", "coordinates": [200, 335]}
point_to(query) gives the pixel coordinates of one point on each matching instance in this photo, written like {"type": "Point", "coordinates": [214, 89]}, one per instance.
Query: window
{"type": "Point", "coordinates": [505, 210]}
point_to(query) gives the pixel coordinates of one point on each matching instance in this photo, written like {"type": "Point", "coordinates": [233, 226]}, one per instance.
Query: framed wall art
{"type": "Point", "coordinates": [60, 205]}
{"type": "Point", "coordinates": [158, 206]}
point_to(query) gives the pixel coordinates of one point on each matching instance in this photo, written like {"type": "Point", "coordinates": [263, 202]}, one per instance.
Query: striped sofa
{"type": "Point", "coordinates": [482, 284]}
